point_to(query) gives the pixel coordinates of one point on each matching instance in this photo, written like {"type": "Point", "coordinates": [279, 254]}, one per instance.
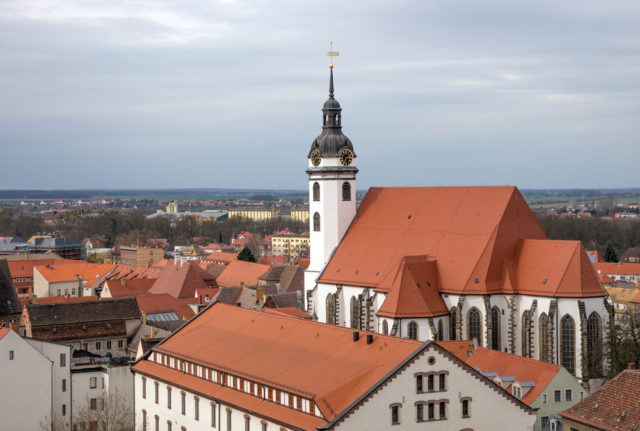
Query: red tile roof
{"type": "Point", "coordinates": [472, 232]}
{"type": "Point", "coordinates": [24, 268]}
{"type": "Point", "coordinates": [617, 268]}
{"type": "Point", "coordinates": [164, 303]}
{"type": "Point", "coordinates": [88, 272]}
{"type": "Point", "coordinates": [130, 272]}
{"type": "Point", "coordinates": [505, 364]}
{"type": "Point", "coordinates": [615, 406]}
{"type": "Point", "coordinates": [304, 262]}
{"type": "Point", "coordinates": [3, 332]}
{"type": "Point", "coordinates": [288, 311]}
{"type": "Point", "coordinates": [636, 298]}
{"type": "Point", "coordinates": [288, 353]}
{"type": "Point", "coordinates": [412, 290]}
{"type": "Point", "coordinates": [604, 278]}
{"type": "Point", "coordinates": [124, 288]}
{"type": "Point", "coordinates": [221, 257]}
{"type": "Point", "coordinates": [182, 281]}
{"type": "Point", "coordinates": [241, 273]}
{"type": "Point", "coordinates": [268, 260]}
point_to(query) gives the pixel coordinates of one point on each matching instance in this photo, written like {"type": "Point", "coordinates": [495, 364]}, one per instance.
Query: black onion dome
{"type": "Point", "coordinates": [331, 141]}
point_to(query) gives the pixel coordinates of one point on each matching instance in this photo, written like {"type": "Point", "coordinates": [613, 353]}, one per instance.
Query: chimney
{"type": "Point", "coordinates": [356, 336]}
{"type": "Point", "coordinates": [34, 299]}
{"type": "Point", "coordinates": [369, 338]}
{"type": "Point", "coordinates": [153, 331]}
{"type": "Point", "coordinates": [123, 281]}
{"type": "Point", "coordinates": [631, 366]}
{"type": "Point", "coordinates": [14, 327]}
{"type": "Point", "coordinates": [144, 318]}
{"type": "Point", "coordinates": [474, 344]}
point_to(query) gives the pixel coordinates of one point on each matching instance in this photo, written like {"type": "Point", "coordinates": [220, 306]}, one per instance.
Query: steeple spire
{"type": "Point", "coordinates": [331, 81]}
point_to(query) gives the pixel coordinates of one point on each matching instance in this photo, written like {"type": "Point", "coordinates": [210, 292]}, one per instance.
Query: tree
{"type": "Point", "coordinates": [247, 255]}
{"type": "Point", "coordinates": [610, 254]}
{"type": "Point", "coordinates": [625, 341]}
{"type": "Point", "coordinates": [111, 411]}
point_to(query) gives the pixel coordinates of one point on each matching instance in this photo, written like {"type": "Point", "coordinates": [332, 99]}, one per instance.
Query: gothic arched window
{"type": "Point", "coordinates": [355, 313]}
{"type": "Point", "coordinates": [526, 334]}
{"type": "Point", "coordinates": [346, 191]}
{"type": "Point", "coordinates": [316, 192]}
{"type": "Point", "coordinates": [544, 335]}
{"type": "Point", "coordinates": [413, 330]}
{"type": "Point", "coordinates": [331, 309]}
{"type": "Point", "coordinates": [452, 323]}
{"type": "Point", "coordinates": [385, 327]}
{"type": "Point", "coordinates": [594, 346]}
{"type": "Point", "coordinates": [440, 335]}
{"type": "Point", "coordinates": [568, 344]}
{"type": "Point", "coordinates": [495, 328]}
{"type": "Point", "coordinates": [316, 222]}
{"type": "Point", "coordinates": [474, 326]}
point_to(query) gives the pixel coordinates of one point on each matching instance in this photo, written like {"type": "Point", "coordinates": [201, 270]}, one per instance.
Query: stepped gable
{"type": "Point", "coordinates": [473, 233]}
{"type": "Point", "coordinates": [182, 281]}
{"type": "Point", "coordinates": [9, 301]}
{"type": "Point", "coordinates": [412, 290]}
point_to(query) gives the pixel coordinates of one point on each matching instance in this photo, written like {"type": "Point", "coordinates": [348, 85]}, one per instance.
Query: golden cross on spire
{"type": "Point", "coordinates": [332, 53]}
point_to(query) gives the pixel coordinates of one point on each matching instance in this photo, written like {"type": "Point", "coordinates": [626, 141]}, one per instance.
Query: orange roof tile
{"type": "Point", "coordinates": [124, 288]}
{"type": "Point", "coordinates": [3, 332]}
{"type": "Point", "coordinates": [304, 262]}
{"type": "Point", "coordinates": [472, 232]}
{"type": "Point", "coordinates": [615, 406]}
{"type": "Point", "coordinates": [182, 281]}
{"type": "Point", "coordinates": [90, 273]}
{"type": "Point", "coordinates": [506, 364]}
{"type": "Point", "coordinates": [24, 268]}
{"type": "Point", "coordinates": [289, 311]}
{"type": "Point", "coordinates": [288, 353]}
{"type": "Point", "coordinates": [412, 290]}
{"type": "Point", "coordinates": [164, 303]}
{"type": "Point", "coordinates": [241, 273]}
{"type": "Point", "coordinates": [221, 257]}
{"type": "Point", "coordinates": [617, 268]}
{"type": "Point", "coordinates": [604, 278]}
{"type": "Point", "coordinates": [636, 298]}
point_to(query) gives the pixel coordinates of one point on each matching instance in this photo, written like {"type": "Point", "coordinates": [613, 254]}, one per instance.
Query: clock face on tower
{"type": "Point", "coordinates": [315, 158]}
{"type": "Point", "coordinates": [346, 157]}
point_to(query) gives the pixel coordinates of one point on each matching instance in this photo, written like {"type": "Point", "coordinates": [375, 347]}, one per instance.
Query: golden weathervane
{"type": "Point", "coordinates": [332, 53]}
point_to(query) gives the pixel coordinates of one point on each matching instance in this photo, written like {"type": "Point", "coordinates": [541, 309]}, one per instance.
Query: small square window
{"type": "Point", "coordinates": [557, 396]}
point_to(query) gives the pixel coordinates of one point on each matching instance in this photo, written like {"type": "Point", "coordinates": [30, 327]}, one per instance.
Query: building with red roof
{"type": "Point", "coordinates": [438, 263]}
{"type": "Point", "coordinates": [22, 273]}
{"type": "Point", "coordinates": [78, 279]}
{"type": "Point", "coordinates": [619, 271]}
{"type": "Point", "coordinates": [613, 407]}
{"type": "Point", "coordinates": [547, 388]}
{"type": "Point", "coordinates": [235, 368]}
{"type": "Point", "coordinates": [182, 280]}
{"type": "Point", "coordinates": [241, 273]}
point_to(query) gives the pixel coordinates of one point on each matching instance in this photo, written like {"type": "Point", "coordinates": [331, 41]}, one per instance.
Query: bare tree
{"type": "Point", "coordinates": [55, 424]}
{"type": "Point", "coordinates": [111, 411]}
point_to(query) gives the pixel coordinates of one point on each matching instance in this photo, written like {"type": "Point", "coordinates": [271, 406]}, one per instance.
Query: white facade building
{"type": "Point", "coordinates": [41, 367]}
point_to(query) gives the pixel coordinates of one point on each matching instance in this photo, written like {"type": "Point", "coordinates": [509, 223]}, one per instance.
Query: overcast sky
{"type": "Point", "coordinates": [185, 94]}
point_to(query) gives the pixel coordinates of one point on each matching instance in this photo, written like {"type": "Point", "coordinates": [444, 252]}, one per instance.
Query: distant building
{"type": "Point", "coordinates": [141, 256]}
{"type": "Point", "coordinates": [100, 327]}
{"type": "Point", "coordinates": [172, 207]}
{"type": "Point", "coordinates": [192, 252]}
{"type": "Point", "coordinates": [66, 248]}
{"type": "Point", "coordinates": [10, 307]}
{"type": "Point", "coordinates": [76, 279]}
{"type": "Point", "coordinates": [292, 245]}
{"type": "Point", "coordinates": [632, 255]}
{"type": "Point", "coordinates": [258, 213]}
{"type": "Point", "coordinates": [22, 273]}
{"type": "Point", "coordinates": [241, 273]}
{"type": "Point", "coordinates": [619, 271]}
{"type": "Point", "coordinates": [13, 245]}
{"type": "Point", "coordinates": [615, 406]}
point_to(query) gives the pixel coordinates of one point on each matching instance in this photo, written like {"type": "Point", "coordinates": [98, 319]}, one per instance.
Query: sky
{"type": "Point", "coordinates": [228, 93]}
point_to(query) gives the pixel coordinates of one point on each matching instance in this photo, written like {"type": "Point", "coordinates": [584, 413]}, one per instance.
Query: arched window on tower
{"type": "Point", "coordinates": [355, 313]}
{"type": "Point", "coordinates": [526, 334]}
{"type": "Point", "coordinates": [413, 330]}
{"type": "Point", "coordinates": [453, 317]}
{"type": "Point", "coordinates": [474, 327]}
{"type": "Point", "coordinates": [544, 333]}
{"type": "Point", "coordinates": [568, 344]}
{"type": "Point", "coordinates": [331, 309]}
{"type": "Point", "coordinates": [316, 222]}
{"type": "Point", "coordinates": [346, 191]}
{"type": "Point", "coordinates": [495, 328]}
{"type": "Point", "coordinates": [594, 346]}
{"type": "Point", "coordinates": [316, 192]}
{"type": "Point", "coordinates": [440, 335]}
{"type": "Point", "coordinates": [338, 120]}
{"type": "Point", "coordinates": [385, 327]}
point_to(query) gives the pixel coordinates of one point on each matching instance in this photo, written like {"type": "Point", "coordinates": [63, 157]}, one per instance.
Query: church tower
{"type": "Point", "coordinates": [332, 187]}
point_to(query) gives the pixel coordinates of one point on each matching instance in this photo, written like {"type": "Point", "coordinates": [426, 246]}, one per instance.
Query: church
{"type": "Point", "coordinates": [447, 263]}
